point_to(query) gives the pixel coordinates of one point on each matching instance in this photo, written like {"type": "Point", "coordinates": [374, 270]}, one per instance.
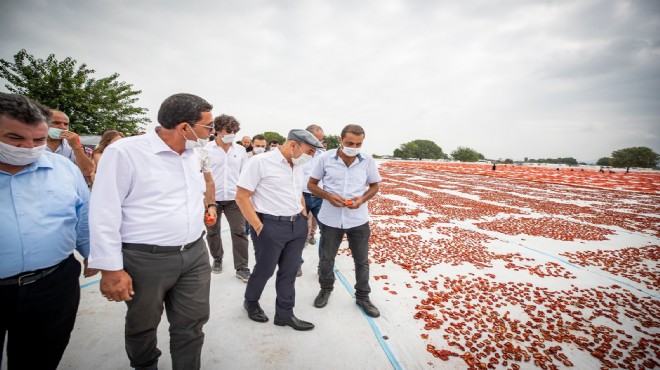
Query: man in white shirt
{"type": "Point", "coordinates": [350, 179]}
{"type": "Point", "coordinates": [269, 195]}
{"type": "Point", "coordinates": [227, 160]}
{"type": "Point", "coordinates": [146, 227]}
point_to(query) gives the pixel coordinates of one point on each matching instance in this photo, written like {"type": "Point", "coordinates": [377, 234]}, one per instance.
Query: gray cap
{"type": "Point", "coordinates": [305, 137]}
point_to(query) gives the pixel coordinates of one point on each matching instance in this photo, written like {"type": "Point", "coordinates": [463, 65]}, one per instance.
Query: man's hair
{"type": "Point", "coordinates": [258, 137]}
{"type": "Point", "coordinates": [223, 121]}
{"type": "Point", "coordinates": [353, 129]}
{"type": "Point", "coordinates": [22, 108]}
{"type": "Point", "coordinates": [274, 141]}
{"type": "Point", "coordinates": [314, 128]}
{"type": "Point", "coordinates": [182, 108]}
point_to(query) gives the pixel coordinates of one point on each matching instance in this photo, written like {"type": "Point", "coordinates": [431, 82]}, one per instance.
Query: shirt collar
{"type": "Point", "coordinates": [158, 145]}
{"type": "Point", "coordinates": [359, 155]}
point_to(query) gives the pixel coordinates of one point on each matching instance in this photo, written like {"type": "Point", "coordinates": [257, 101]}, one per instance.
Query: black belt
{"type": "Point", "coordinates": [310, 194]}
{"type": "Point", "coordinates": [279, 218]}
{"type": "Point", "coordinates": [158, 248]}
{"type": "Point", "coordinates": [26, 278]}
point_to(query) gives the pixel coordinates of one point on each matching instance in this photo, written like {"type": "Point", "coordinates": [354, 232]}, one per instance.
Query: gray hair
{"type": "Point", "coordinates": [22, 108]}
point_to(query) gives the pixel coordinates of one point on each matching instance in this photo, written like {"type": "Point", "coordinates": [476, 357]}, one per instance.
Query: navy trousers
{"type": "Point", "coordinates": [280, 244]}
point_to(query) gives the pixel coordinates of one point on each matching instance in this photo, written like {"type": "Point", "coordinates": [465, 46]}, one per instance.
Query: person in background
{"type": "Point", "coordinates": [147, 226]}
{"type": "Point", "coordinates": [258, 145]}
{"type": "Point", "coordinates": [273, 144]}
{"type": "Point", "coordinates": [312, 202]}
{"type": "Point", "coordinates": [350, 179]}
{"type": "Point", "coordinates": [44, 211]}
{"type": "Point", "coordinates": [67, 143]}
{"type": "Point", "coordinates": [269, 197]}
{"type": "Point", "coordinates": [227, 161]}
{"type": "Point", "coordinates": [108, 137]}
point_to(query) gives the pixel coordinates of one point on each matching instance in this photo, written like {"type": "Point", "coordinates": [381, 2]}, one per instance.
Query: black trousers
{"type": "Point", "coordinates": [280, 244]}
{"type": "Point", "coordinates": [39, 318]}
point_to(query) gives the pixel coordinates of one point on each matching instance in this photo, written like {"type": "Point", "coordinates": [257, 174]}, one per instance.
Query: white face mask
{"type": "Point", "coordinates": [55, 133]}
{"type": "Point", "coordinates": [192, 144]}
{"type": "Point", "coordinates": [258, 150]}
{"type": "Point", "coordinates": [16, 156]}
{"type": "Point", "coordinates": [229, 138]}
{"type": "Point", "coordinates": [351, 152]}
{"type": "Point", "coordinates": [304, 158]}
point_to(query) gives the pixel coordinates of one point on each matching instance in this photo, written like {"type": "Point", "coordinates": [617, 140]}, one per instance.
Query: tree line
{"type": "Point", "coordinates": [642, 157]}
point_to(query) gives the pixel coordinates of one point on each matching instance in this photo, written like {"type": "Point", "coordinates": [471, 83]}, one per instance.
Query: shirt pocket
{"type": "Point", "coordinates": [60, 202]}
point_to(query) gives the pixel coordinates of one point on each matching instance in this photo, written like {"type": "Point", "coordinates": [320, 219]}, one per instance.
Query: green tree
{"type": "Point", "coordinates": [270, 135]}
{"type": "Point", "coordinates": [639, 156]}
{"type": "Point", "coordinates": [92, 104]}
{"type": "Point", "coordinates": [332, 140]}
{"type": "Point", "coordinates": [605, 161]}
{"type": "Point", "coordinates": [465, 154]}
{"type": "Point", "coordinates": [420, 149]}
{"type": "Point", "coordinates": [508, 161]}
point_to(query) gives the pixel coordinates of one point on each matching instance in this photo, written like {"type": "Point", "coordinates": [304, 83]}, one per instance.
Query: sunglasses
{"type": "Point", "coordinates": [230, 130]}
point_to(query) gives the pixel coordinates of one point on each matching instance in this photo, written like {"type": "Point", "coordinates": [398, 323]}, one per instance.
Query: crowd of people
{"type": "Point", "coordinates": [154, 199]}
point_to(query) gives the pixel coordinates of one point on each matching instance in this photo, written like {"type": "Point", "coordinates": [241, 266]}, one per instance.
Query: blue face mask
{"type": "Point", "coordinates": [54, 132]}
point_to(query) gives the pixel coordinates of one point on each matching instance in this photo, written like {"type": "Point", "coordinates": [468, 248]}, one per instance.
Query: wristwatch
{"type": "Point", "coordinates": [212, 205]}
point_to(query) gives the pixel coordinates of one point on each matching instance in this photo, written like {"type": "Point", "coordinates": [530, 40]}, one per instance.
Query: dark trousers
{"type": "Point", "coordinates": [358, 243]}
{"type": "Point", "coordinates": [313, 205]}
{"type": "Point", "coordinates": [39, 318]}
{"type": "Point", "coordinates": [280, 244]}
{"type": "Point", "coordinates": [179, 280]}
{"type": "Point", "coordinates": [239, 239]}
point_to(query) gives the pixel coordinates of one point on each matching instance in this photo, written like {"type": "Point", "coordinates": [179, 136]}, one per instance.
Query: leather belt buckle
{"type": "Point", "coordinates": [21, 282]}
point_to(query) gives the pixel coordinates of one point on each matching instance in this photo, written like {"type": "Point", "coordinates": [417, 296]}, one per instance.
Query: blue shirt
{"type": "Point", "coordinates": [43, 215]}
{"type": "Point", "coordinates": [65, 150]}
{"type": "Point", "coordinates": [348, 182]}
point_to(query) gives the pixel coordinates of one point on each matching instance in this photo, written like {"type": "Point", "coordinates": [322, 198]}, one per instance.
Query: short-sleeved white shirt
{"type": "Point", "coordinates": [347, 182]}
{"type": "Point", "coordinates": [276, 187]}
{"type": "Point", "coordinates": [226, 168]}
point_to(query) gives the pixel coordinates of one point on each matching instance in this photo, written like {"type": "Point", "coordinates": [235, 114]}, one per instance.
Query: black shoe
{"type": "Point", "coordinates": [368, 307]}
{"type": "Point", "coordinates": [322, 299]}
{"type": "Point", "coordinates": [295, 323]}
{"type": "Point", "coordinates": [255, 313]}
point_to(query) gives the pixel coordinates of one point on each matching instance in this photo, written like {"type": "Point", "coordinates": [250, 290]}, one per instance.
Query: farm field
{"type": "Point", "coordinates": [522, 267]}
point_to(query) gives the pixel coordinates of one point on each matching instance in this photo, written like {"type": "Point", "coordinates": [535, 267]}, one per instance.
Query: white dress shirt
{"type": "Point", "coordinates": [347, 182]}
{"type": "Point", "coordinates": [146, 193]}
{"type": "Point", "coordinates": [277, 187]}
{"type": "Point", "coordinates": [307, 170]}
{"type": "Point", "coordinates": [225, 168]}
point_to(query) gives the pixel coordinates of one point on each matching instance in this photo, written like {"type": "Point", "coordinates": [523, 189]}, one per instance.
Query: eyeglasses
{"type": "Point", "coordinates": [209, 127]}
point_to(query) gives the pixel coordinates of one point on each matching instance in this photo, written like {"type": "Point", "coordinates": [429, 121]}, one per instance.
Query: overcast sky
{"type": "Point", "coordinates": [511, 79]}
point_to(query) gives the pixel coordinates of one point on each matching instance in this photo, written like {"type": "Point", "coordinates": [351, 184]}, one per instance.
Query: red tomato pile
{"type": "Point", "coordinates": [428, 214]}
{"type": "Point", "coordinates": [628, 262]}
{"type": "Point", "coordinates": [552, 228]}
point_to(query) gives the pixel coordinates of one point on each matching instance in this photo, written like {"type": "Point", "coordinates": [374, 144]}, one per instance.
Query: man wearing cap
{"type": "Point", "coordinates": [269, 196]}
{"type": "Point", "coordinates": [146, 226]}
{"type": "Point", "coordinates": [350, 179]}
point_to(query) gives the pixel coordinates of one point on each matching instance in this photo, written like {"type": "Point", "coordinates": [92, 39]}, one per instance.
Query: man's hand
{"type": "Point", "coordinates": [355, 202]}
{"type": "Point", "coordinates": [116, 285]}
{"type": "Point", "coordinates": [88, 271]}
{"type": "Point", "coordinates": [258, 229]}
{"type": "Point", "coordinates": [72, 138]}
{"type": "Point", "coordinates": [336, 200]}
